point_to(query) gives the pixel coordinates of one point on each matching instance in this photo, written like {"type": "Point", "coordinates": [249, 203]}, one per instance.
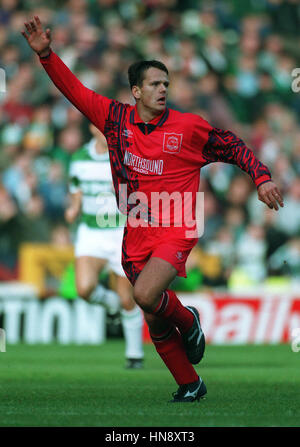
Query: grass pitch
{"type": "Point", "coordinates": [87, 386]}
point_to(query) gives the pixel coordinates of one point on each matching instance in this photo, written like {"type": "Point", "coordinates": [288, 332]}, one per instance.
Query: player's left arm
{"type": "Point", "coordinates": [75, 194]}
{"type": "Point", "coordinates": [225, 146]}
{"type": "Point", "coordinates": [74, 208]}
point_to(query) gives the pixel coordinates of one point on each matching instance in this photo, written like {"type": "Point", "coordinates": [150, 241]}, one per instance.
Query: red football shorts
{"type": "Point", "coordinates": [142, 243]}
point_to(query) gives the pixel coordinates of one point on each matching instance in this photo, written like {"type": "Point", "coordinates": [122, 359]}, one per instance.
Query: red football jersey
{"type": "Point", "coordinates": [155, 166]}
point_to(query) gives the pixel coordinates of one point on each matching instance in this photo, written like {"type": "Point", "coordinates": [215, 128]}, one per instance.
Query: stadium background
{"type": "Point", "coordinates": [230, 62]}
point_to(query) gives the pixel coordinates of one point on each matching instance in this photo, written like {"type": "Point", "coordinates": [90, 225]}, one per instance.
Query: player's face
{"type": "Point", "coordinates": [154, 90]}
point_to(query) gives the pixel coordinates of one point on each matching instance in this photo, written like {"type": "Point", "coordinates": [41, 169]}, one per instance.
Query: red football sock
{"type": "Point", "coordinates": [171, 309]}
{"type": "Point", "coordinates": [170, 348]}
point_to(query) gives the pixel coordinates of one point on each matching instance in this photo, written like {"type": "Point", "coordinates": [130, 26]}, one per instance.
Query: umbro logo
{"type": "Point", "coordinates": [179, 255]}
{"type": "Point", "coordinates": [127, 133]}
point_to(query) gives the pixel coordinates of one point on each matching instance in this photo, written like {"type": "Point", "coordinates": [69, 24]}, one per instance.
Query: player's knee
{"type": "Point", "coordinates": [127, 302]}
{"type": "Point", "coordinates": [144, 298]}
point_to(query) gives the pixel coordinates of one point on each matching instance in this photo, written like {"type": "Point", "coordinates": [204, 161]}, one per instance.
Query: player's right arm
{"type": "Point", "coordinates": [94, 106]}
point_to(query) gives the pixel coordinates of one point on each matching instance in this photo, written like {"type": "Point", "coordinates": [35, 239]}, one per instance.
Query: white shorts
{"type": "Point", "coordinates": [103, 244]}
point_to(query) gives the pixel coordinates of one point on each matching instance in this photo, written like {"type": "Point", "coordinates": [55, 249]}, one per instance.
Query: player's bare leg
{"type": "Point", "coordinates": [87, 270]}
{"type": "Point", "coordinates": [124, 290]}
{"type": "Point", "coordinates": [152, 295]}
{"type": "Point", "coordinates": [153, 280]}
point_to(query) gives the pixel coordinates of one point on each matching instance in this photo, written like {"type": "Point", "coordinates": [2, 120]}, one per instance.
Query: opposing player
{"type": "Point", "coordinates": [154, 149]}
{"type": "Point", "coordinates": [99, 240]}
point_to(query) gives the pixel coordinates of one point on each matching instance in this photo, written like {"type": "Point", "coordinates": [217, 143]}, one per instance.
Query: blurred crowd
{"type": "Point", "coordinates": [229, 61]}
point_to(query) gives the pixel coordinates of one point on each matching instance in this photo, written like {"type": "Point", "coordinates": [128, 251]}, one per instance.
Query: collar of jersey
{"type": "Point", "coordinates": [159, 120]}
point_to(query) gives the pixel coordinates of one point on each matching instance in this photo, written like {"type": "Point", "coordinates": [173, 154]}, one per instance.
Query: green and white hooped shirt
{"type": "Point", "coordinates": [90, 173]}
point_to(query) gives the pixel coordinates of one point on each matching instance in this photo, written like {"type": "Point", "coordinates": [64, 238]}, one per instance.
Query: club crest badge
{"type": "Point", "coordinates": [172, 142]}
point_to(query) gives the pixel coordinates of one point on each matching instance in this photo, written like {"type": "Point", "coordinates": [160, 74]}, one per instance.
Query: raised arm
{"type": "Point", "coordinates": [225, 146]}
{"type": "Point", "coordinates": [94, 106]}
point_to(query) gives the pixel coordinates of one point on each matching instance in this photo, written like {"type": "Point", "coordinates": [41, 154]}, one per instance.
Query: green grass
{"type": "Point", "coordinates": [54, 385]}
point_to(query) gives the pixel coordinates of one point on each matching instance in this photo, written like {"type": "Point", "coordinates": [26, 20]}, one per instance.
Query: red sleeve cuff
{"type": "Point", "coordinates": [46, 58]}
{"type": "Point", "coordinates": [263, 179]}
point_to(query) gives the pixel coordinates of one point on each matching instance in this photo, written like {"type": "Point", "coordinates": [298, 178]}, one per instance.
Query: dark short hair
{"type": "Point", "coordinates": [136, 71]}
